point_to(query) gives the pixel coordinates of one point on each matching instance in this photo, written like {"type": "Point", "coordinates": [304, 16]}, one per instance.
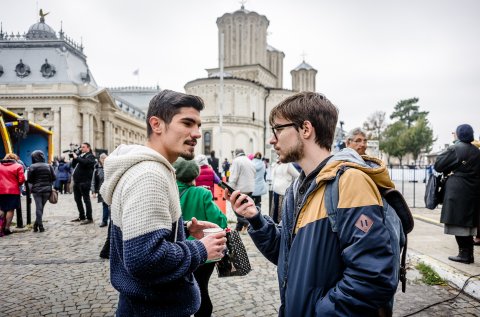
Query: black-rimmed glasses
{"type": "Point", "coordinates": [280, 127]}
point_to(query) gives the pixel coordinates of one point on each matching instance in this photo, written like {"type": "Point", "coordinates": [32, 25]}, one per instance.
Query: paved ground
{"type": "Point", "coordinates": [59, 273]}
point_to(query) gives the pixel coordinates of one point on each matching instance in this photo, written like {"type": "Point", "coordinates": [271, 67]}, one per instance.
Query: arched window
{"type": "Point", "coordinates": [207, 142]}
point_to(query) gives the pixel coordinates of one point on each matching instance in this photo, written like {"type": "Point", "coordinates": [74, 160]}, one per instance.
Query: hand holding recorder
{"type": "Point", "coordinates": [242, 204]}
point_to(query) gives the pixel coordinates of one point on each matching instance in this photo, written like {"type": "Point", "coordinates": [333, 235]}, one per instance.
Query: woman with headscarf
{"type": "Point", "coordinates": [12, 176]}
{"type": "Point", "coordinates": [461, 204]}
{"type": "Point", "coordinates": [41, 177]}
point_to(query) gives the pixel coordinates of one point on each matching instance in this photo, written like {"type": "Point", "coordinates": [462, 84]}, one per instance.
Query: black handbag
{"type": "Point", "coordinates": [435, 191]}
{"type": "Point", "coordinates": [235, 262]}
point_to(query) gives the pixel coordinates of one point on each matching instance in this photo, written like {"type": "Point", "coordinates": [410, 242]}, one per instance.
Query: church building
{"type": "Point", "coordinates": [238, 99]}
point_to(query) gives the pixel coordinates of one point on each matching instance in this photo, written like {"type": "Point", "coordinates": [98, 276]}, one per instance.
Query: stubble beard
{"type": "Point", "coordinates": [293, 154]}
{"type": "Point", "coordinates": [188, 155]}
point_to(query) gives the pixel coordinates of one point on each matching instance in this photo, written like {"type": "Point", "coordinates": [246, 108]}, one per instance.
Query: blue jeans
{"type": "Point", "coordinates": [40, 201]}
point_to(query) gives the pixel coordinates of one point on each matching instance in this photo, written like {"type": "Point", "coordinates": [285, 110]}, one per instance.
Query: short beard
{"type": "Point", "coordinates": [294, 154]}
{"type": "Point", "coordinates": [188, 155]}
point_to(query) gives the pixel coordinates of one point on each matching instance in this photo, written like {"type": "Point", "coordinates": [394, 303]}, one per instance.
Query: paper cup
{"type": "Point", "coordinates": [207, 232]}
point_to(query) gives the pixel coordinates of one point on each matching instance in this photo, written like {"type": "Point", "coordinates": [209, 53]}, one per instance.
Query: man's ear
{"type": "Point", "coordinates": [307, 130]}
{"type": "Point", "coordinates": [156, 124]}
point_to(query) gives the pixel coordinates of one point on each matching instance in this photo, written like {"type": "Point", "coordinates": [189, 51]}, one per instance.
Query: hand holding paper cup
{"type": "Point", "coordinates": [215, 243]}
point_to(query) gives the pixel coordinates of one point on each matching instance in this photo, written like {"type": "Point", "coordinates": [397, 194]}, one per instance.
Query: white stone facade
{"type": "Point", "coordinates": [72, 118]}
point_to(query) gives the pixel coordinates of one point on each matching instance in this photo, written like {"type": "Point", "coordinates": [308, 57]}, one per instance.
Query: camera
{"type": "Point", "coordinates": [74, 148]}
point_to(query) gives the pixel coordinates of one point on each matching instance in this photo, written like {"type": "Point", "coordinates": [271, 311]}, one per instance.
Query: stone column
{"type": "Point", "coordinates": [93, 136]}
{"type": "Point", "coordinates": [30, 115]}
{"type": "Point", "coordinates": [85, 127]}
{"type": "Point", "coordinates": [107, 136]}
{"type": "Point", "coordinates": [57, 133]}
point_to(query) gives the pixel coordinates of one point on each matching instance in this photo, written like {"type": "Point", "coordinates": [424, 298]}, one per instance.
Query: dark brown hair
{"type": "Point", "coordinates": [313, 107]}
{"type": "Point", "coordinates": [167, 103]}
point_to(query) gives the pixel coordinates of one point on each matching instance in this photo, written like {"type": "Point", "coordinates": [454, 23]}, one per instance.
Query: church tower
{"type": "Point", "coordinates": [275, 64]}
{"type": "Point", "coordinates": [245, 34]}
{"type": "Point", "coordinates": [303, 77]}
{"type": "Point", "coordinates": [239, 97]}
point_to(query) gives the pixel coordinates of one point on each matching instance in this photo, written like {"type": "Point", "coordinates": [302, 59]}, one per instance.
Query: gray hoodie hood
{"type": "Point", "coordinates": [123, 158]}
{"type": "Point", "coordinates": [371, 166]}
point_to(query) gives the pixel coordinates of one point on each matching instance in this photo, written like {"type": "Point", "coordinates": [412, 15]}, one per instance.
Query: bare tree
{"type": "Point", "coordinates": [375, 124]}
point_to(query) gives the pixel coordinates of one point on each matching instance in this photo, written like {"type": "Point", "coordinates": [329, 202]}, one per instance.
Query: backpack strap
{"type": "Point", "coordinates": [403, 266]}
{"type": "Point", "coordinates": [331, 198]}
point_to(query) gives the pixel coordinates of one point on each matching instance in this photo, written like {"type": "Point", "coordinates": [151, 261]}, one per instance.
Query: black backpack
{"type": "Point", "coordinates": [397, 215]}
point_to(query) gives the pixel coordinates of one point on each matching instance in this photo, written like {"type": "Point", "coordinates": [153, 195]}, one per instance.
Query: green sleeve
{"type": "Point", "coordinates": [212, 212]}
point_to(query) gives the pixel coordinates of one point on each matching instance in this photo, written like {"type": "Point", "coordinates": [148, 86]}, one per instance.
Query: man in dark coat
{"type": "Point", "coordinates": [461, 205]}
{"type": "Point", "coordinates": [213, 162]}
{"type": "Point", "coordinates": [83, 166]}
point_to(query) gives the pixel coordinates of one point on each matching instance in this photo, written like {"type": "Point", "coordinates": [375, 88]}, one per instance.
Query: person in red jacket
{"type": "Point", "coordinates": [207, 175]}
{"type": "Point", "coordinates": [12, 176]}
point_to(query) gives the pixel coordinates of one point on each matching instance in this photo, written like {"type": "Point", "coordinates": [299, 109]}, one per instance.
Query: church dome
{"type": "Point", "coordinates": [41, 30]}
{"type": "Point", "coordinates": [305, 66]}
{"type": "Point", "coordinates": [242, 10]}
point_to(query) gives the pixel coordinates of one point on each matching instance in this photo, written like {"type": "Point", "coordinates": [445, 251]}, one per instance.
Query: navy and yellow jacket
{"type": "Point", "coordinates": [325, 273]}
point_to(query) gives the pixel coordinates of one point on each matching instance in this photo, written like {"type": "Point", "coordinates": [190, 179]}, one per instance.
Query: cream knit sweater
{"type": "Point", "coordinates": [151, 263]}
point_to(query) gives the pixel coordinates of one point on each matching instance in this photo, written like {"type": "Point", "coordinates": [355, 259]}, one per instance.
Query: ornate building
{"type": "Point", "coordinates": [239, 99]}
{"type": "Point", "coordinates": [46, 79]}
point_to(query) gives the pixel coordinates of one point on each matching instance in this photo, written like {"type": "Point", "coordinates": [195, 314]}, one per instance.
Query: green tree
{"type": "Point", "coordinates": [419, 138]}
{"type": "Point", "coordinates": [375, 125]}
{"type": "Point", "coordinates": [408, 111]}
{"type": "Point", "coordinates": [394, 140]}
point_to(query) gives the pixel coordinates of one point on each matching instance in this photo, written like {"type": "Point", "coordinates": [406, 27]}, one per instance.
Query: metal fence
{"type": "Point", "coordinates": [410, 181]}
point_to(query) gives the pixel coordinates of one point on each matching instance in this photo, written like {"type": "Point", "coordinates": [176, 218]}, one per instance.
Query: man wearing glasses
{"type": "Point", "coordinates": [349, 272]}
{"type": "Point", "coordinates": [357, 140]}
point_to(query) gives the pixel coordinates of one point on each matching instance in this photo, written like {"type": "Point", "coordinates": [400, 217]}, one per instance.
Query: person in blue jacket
{"type": "Point", "coordinates": [320, 272]}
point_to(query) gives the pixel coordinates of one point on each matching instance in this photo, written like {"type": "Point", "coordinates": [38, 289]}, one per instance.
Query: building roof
{"type": "Point", "coordinates": [242, 12]}
{"type": "Point", "coordinates": [135, 98]}
{"type": "Point", "coordinates": [242, 9]}
{"type": "Point", "coordinates": [304, 65]}
{"type": "Point", "coordinates": [41, 57]}
{"type": "Point", "coordinates": [272, 49]}
{"type": "Point", "coordinates": [40, 30]}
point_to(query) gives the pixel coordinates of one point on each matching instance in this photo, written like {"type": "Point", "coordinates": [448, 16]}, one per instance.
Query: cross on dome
{"type": "Point", "coordinates": [303, 55]}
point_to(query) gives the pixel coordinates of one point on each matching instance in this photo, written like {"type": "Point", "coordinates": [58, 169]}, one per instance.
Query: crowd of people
{"type": "Point", "coordinates": [158, 203]}
{"type": "Point", "coordinates": [82, 174]}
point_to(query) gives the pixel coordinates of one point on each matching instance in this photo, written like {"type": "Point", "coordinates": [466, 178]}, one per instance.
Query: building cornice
{"type": "Point", "coordinates": [240, 67]}
{"type": "Point", "coordinates": [49, 96]}
{"type": "Point", "coordinates": [226, 79]}
{"type": "Point", "coordinates": [231, 120]}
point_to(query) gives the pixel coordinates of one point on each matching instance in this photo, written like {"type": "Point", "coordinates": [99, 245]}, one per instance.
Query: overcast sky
{"type": "Point", "coordinates": [369, 54]}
